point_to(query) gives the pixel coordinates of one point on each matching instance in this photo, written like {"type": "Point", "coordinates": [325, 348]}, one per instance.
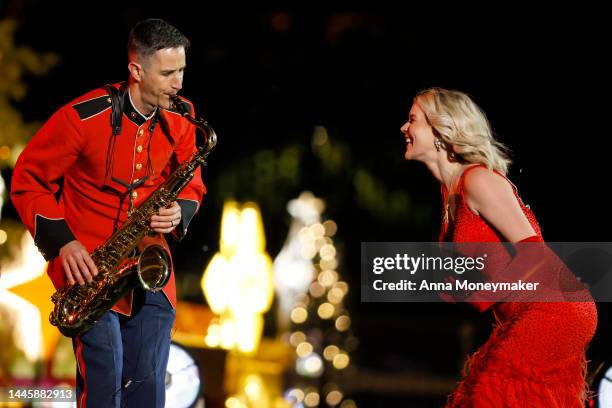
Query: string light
{"type": "Point", "coordinates": [299, 315]}
{"type": "Point", "coordinates": [333, 398]}
{"type": "Point", "coordinates": [343, 286]}
{"type": "Point", "coordinates": [341, 361]}
{"type": "Point", "coordinates": [343, 323]}
{"type": "Point", "coordinates": [325, 296]}
{"type": "Point", "coordinates": [330, 352]}
{"type": "Point", "coordinates": [330, 228]}
{"type": "Point", "coordinates": [303, 349]}
{"type": "Point", "coordinates": [328, 264]}
{"type": "Point", "coordinates": [296, 394]}
{"type": "Point", "coordinates": [317, 230]}
{"type": "Point", "coordinates": [311, 399]}
{"type": "Point", "coordinates": [327, 252]}
{"type": "Point", "coordinates": [297, 338]}
{"type": "Point", "coordinates": [326, 311]}
{"type": "Point", "coordinates": [328, 278]}
{"type": "Point", "coordinates": [335, 295]}
{"type": "Point", "coordinates": [316, 289]}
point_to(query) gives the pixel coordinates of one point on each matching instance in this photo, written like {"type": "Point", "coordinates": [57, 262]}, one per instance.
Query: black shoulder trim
{"type": "Point", "coordinates": [91, 107]}
{"type": "Point", "coordinates": [51, 236]}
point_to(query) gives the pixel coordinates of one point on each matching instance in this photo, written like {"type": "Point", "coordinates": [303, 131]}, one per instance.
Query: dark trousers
{"type": "Point", "coordinates": [121, 361]}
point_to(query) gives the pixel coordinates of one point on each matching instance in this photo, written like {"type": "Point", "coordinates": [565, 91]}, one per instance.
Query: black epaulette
{"type": "Point", "coordinates": [92, 107]}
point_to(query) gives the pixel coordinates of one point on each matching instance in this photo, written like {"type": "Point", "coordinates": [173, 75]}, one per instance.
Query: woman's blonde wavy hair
{"type": "Point", "coordinates": [463, 127]}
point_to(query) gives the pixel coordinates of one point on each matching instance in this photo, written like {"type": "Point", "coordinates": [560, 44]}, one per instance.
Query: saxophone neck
{"type": "Point", "coordinates": [183, 108]}
{"type": "Point", "coordinates": [210, 136]}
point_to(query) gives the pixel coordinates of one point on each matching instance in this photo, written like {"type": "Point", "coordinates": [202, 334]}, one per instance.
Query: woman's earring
{"type": "Point", "coordinates": [438, 143]}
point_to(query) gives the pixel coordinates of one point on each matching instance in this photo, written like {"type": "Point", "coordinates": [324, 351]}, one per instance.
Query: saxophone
{"type": "Point", "coordinates": [130, 257]}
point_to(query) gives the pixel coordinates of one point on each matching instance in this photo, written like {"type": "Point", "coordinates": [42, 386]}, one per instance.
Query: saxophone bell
{"type": "Point", "coordinates": [77, 308]}
{"type": "Point", "coordinates": [153, 268]}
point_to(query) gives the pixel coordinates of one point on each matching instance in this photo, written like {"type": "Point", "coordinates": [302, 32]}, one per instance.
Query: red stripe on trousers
{"type": "Point", "coordinates": [81, 363]}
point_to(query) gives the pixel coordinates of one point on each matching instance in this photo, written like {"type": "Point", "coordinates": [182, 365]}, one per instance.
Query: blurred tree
{"type": "Point", "coordinates": [15, 63]}
{"type": "Point", "coordinates": [270, 177]}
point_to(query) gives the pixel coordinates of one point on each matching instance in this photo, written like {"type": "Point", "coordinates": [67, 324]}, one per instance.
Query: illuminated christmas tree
{"type": "Point", "coordinates": [319, 328]}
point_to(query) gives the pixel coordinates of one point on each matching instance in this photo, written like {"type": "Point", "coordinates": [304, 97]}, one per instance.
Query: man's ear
{"type": "Point", "coordinates": [135, 70]}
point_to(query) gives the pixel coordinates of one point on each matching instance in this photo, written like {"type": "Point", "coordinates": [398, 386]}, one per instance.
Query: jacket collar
{"type": "Point", "coordinates": [132, 113]}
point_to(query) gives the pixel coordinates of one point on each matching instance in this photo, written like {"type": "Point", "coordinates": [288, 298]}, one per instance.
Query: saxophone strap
{"type": "Point", "coordinates": [117, 97]}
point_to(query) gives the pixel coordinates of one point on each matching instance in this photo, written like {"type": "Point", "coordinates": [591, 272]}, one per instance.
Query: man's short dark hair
{"type": "Point", "coordinates": [149, 36]}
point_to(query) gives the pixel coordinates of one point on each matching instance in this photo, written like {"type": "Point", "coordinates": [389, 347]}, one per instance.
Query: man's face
{"type": "Point", "coordinates": [162, 76]}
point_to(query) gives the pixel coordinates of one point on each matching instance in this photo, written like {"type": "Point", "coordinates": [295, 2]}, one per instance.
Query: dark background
{"type": "Point", "coordinates": [264, 78]}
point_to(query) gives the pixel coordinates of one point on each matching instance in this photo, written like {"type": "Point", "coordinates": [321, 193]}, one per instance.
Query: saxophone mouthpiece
{"type": "Point", "coordinates": [178, 104]}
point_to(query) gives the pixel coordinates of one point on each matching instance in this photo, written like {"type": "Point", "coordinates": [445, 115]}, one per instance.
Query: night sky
{"type": "Point", "coordinates": [265, 78]}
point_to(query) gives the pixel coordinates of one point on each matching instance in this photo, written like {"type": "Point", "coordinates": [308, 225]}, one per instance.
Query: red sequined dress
{"type": "Point", "coordinates": [535, 356]}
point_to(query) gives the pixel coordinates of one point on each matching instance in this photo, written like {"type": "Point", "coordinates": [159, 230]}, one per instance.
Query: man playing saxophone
{"type": "Point", "coordinates": [80, 178]}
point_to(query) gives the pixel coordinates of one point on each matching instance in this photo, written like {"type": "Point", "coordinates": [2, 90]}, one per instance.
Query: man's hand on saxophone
{"type": "Point", "coordinates": [77, 263]}
{"type": "Point", "coordinates": [166, 219]}
{"type": "Point", "coordinates": [80, 268]}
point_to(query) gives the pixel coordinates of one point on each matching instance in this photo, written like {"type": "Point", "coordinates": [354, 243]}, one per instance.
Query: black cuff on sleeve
{"type": "Point", "coordinates": [51, 235]}
{"type": "Point", "coordinates": [188, 210]}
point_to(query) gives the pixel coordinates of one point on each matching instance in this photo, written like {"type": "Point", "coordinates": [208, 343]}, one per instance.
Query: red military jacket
{"type": "Point", "coordinates": [99, 178]}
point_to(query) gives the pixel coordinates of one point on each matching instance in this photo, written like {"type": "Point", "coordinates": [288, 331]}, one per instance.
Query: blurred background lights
{"type": "Point", "coordinates": [237, 283]}
{"type": "Point", "coordinates": [317, 230]}
{"type": "Point", "coordinates": [326, 311]}
{"type": "Point", "coordinates": [343, 323]}
{"type": "Point", "coordinates": [316, 289]}
{"type": "Point", "coordinates": [343, 286]}
{"type": "Point", "coordinates": [299, 315]}
{"type": "Point", "coordinates": [330, 228]}
{"type": "Point", "coordinates": [348, 404]}
{"type": "Point", "coordinates": [333, 398]}
{"type": "Point", "coordinates": [341, 361]}
{"type": "Point", "coordinates": [330, 352]}
{"type": "Point", "coordinates": [335, 295]}
{"type": "Point", "coordinates": [296, 338]}
{"type": "Point", "coordinates": [327, 252]}
{"type": "Point", "coordinates": [296, 394]}
{"type": "Point", "coordinates": [311, 399]}
{"type": "Point", "coordinates": [328, 278]}
{"type": "Point", "coordinates": [328, 264]}
{"type": "Point", "coordinates": [310, 366]}
{"type": "Point", "coordinates": [303, 349]}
